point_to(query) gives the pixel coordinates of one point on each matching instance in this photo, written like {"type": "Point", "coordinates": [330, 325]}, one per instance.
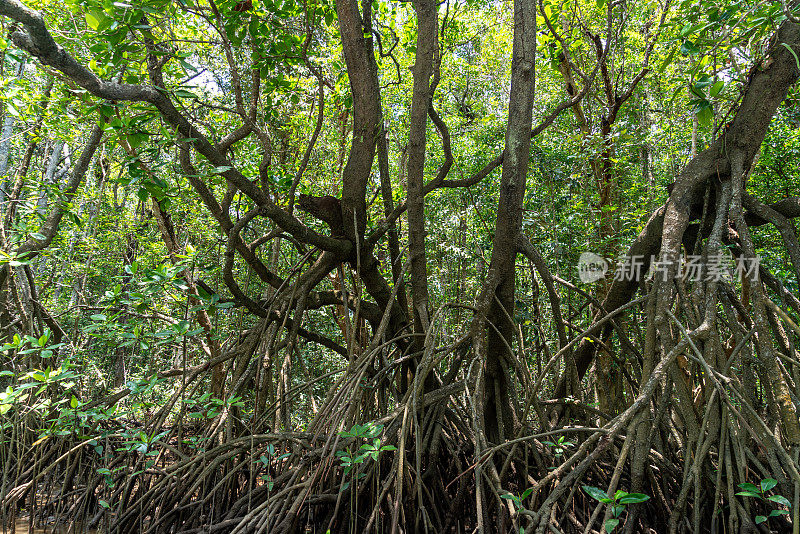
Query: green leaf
{"type": "Point", "coordinates": [768, 483]}
{"type": "Point", "coordinates": [595, 493]}
{"type": "Point", "coordinates": [776, 513]}
{"type": "Point", "coordinates": [796, 59]}
{"type": "Point", "coordinates": [667, 60]}
{"type": "Point", "coordinates": [760, 519]}
{"type": "Point", "coordinates": [95, 19]}
{"type": "Point", "coordinates": [749, 487]}
{"type": "Point", "coordinates": [716, 88]}
{"type": "Point", "coordinates": [611, 524]}
{"type": "Point", "coordinates": [183, 93]}
{"type": "Point", "coordinates": [73, 402]}
{"type": "Point", "coordinates": [632, 498]}
{"type": "Point", "coordinates": [780, 499]}
{"type": "Point", "coordinates": [704, 115]}
{"type": "Point", "coordinates": [688, 48]}
{"type": "Point", "coordinates": [748, 494]}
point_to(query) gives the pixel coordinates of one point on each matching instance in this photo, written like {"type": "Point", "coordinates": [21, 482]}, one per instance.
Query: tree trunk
{"type": "Point", "coordinates": [427, 17]}
{"type": "Point", "coordinates": [499, 416]}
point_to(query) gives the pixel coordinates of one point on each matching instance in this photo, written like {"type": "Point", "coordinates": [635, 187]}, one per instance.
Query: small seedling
{"type": "Point", "coordinates": [618, 503]}
{"type": "Point", "coordinates": [760, 492]}
{"type": "Point", "coordinates": [559, 446]}
{"type": "Point", "coordinates": [518, 500]}
{"type": "Point", "coordinates": [371, 449]}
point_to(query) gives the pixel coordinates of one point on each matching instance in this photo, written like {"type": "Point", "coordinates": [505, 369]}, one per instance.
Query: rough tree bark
{"type": "Point", "coordinates": [356, 31]}
{"type": "Point", "coordinates": [498, 294]}
{"type": "Point", "coordinates": [427, 20]}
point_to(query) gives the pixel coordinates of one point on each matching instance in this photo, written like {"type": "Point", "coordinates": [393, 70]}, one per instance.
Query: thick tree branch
{"type": "Point", "coordinates": [37, 41]}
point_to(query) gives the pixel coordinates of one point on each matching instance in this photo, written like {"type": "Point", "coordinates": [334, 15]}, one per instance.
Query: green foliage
{"type": "Point", "coordinates": [617, 503]}
{"type": "Point", "coordinates": [760, 492]}
{"type": "Point", "coordinates": [355, 455]}
{"type": "Point", "coordinates": [559, 446]}
{"type": "Point", "coordinates": [518, 500]}
{"type": "Point", "coordinates": [267, 460]}
{"type": "Point", "coordinates": [208, 407]}
{"type": "Point", "coordinates": [114, 308]}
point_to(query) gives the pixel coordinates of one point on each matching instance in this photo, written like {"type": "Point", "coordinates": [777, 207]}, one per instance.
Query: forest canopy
{"type": "Point", "coordinates": [383, 266]}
